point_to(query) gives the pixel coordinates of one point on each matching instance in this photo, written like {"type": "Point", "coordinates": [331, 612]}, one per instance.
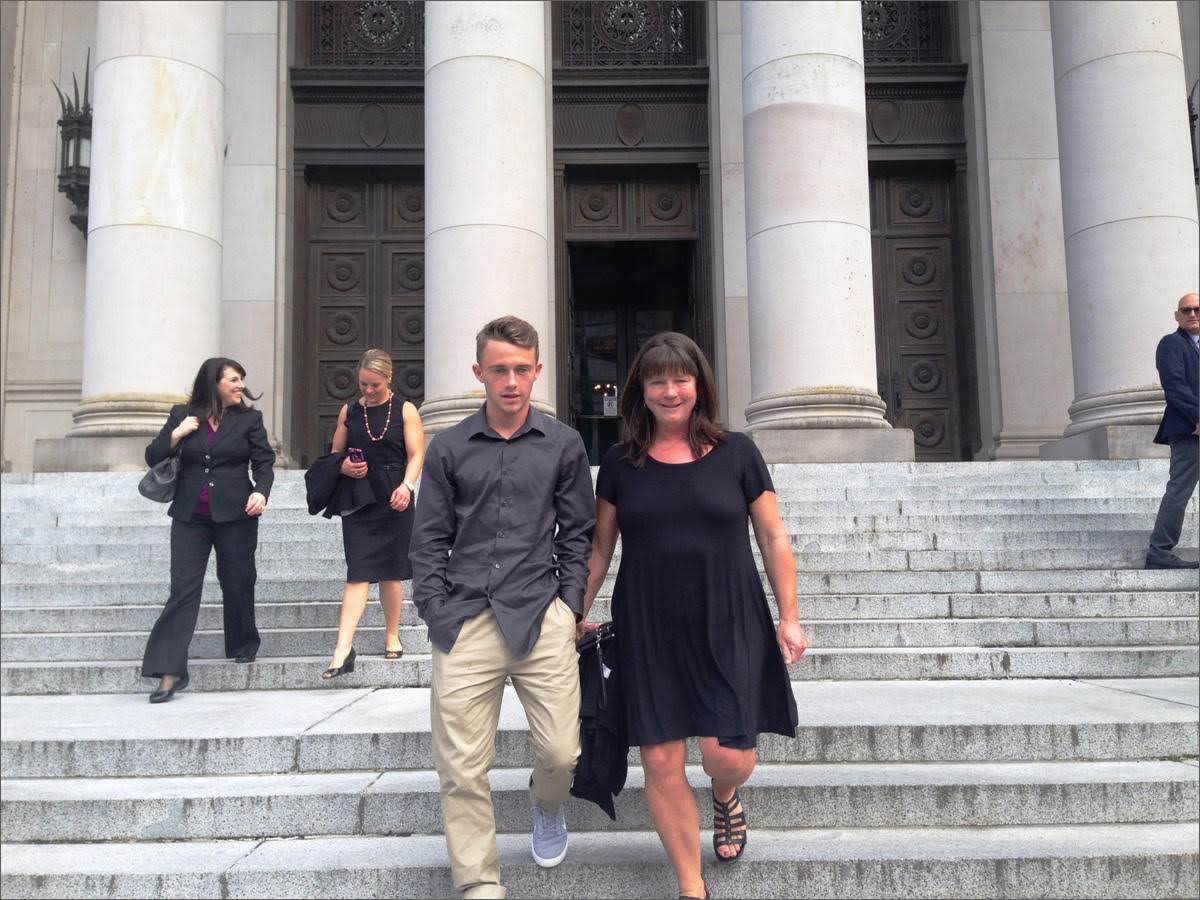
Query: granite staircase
{"type": "Point", "coordinates": [999, 702]}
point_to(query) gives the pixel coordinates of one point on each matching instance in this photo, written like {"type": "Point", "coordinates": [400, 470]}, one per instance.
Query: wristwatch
{"type": "Point", "coordinates": [412, 488]}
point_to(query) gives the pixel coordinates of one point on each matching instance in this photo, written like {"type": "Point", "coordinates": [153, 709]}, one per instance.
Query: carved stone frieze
{"type": "Point", "coordinates": [587, 123]}
{"type": "Point", "coordinates": [361, 126]}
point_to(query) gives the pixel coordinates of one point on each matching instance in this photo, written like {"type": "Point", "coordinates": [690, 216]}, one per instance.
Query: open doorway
{"type": "Point", "coordinates": [622, 293]}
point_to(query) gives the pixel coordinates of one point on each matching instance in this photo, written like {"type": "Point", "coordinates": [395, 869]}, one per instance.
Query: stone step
{"type": "Point", "coordinates": [105, 564]}
{"type": "Point", "coordinates": [1017, 546]}
{"type": "Point", "coordinates": [154, 590]}
{"type": "Point", "coordinates": [819, 664]}
{"type": "Point", "coordinates": [22, 531]}
{"type": "Point", "coordinates": [892, 795]}
{"type": "Point", "coordinates": [88, 514]}
{"type": "Point", "coordinates": [140, 617]}
{"type": "Point", "coordinates": [248, 732]}
{"type": "Point", "coordinates": [289, 497]}
{"type": "Point", "coordinates": [207, 644]}
{"type": "Point", "coordinates": [1134, 860]}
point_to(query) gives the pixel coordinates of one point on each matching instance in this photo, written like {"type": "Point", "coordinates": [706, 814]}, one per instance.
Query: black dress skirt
{"type": "Point", "coordinates": [376, 537]}
{"type": "Point", "coordinates": [697, 649]}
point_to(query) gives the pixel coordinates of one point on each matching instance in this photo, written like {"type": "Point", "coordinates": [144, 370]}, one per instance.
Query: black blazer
{"type": "Point", "coordinates": [241, 442]}
{"type": "Point", "coordinates": [1179, 372]}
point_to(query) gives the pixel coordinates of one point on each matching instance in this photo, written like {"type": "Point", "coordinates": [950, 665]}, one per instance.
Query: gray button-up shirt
{"type": "Point", "coordinates": [501, 523]}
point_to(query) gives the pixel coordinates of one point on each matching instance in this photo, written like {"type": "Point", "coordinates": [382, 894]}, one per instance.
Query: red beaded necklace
{"type": "Point", "coordinates": [387, 422]}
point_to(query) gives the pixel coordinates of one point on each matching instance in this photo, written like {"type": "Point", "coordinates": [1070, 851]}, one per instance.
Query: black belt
{"type": "Point", "coordinates": [391, 466]}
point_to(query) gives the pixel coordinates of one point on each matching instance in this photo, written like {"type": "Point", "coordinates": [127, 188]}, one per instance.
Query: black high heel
{"type": "Point", "coordinates": [162, 695]}
{"type": "Point", "coordinates": [345, 668]}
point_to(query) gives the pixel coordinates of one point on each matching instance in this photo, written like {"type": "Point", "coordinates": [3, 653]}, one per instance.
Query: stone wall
{"type": "Point", "coordinates": [44, 254]}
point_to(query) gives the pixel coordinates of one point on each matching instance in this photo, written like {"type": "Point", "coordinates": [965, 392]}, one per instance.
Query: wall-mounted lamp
{"type": "Point", "coordinates": [74, 168]}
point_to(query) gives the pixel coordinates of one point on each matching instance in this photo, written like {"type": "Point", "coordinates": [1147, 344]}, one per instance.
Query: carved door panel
{"type": "Point", "coordinates": [365, 288]}
{"type": "Point", "coordinates": [914, 309]}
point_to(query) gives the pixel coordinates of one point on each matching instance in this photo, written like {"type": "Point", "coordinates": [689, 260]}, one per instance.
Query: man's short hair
{"type": "Point", "coordinates": [507, 330]}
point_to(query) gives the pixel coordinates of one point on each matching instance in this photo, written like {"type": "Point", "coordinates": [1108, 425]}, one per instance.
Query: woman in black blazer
{"type": "Point", "coordinates": [217, 436]}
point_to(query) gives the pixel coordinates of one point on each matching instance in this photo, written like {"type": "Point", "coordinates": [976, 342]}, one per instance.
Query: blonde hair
{"type": "Point", "coordinates": [377, 361]}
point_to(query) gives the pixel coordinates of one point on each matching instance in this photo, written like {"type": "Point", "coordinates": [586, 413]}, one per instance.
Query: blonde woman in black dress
{"type": "Point", "coordinates": [385, 444]}
{"type": "Point", "coordinates": [698, 654]}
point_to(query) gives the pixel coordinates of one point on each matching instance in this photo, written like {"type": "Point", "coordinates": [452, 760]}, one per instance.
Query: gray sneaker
{"type": "Point", "coordinates": [549, 836]}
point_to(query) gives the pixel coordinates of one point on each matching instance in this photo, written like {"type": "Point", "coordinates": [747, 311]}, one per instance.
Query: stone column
{"type": "Point", "coordinates": [808, 237]}
{"type": "Point", "coordinates": [486, 195]}
{"type": "Point", "coordinates": [153, 286]}
{"type": "Point", "coordinates": [1129, 213]}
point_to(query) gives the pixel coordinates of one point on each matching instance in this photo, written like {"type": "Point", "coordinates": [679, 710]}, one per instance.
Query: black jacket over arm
{"type": "Point", "coordinates": [240, 444]}
{"type": "Point", "coordinates": [1179, 372]}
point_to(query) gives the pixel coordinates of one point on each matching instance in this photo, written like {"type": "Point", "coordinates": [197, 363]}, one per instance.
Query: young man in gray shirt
{"type": "Point", "coordinates": [499, 552]}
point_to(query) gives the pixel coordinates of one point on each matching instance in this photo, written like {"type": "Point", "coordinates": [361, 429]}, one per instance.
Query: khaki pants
{"type": "Point", "coordinates": [468, 686]}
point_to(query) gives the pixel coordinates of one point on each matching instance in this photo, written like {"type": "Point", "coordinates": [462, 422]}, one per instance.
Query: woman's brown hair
{"type": "Point", "coordinates": [668, 353]}
{"type": "Point", "coordinates": [205, 400]}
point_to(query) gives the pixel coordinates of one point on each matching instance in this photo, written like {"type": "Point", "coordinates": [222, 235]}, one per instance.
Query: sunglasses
{"type": "Point", "coordinates": [1190, 310]}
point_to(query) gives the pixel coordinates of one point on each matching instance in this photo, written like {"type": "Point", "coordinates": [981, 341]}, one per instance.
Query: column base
{"type": "Point", "coordinates": [1023, 446]}
{"type": "Point", "coordinates": [123, 453]}
{"type": "Point", "coordinates": [1108, 442]}
{"type": "Point", "coordinates": [835, 445]}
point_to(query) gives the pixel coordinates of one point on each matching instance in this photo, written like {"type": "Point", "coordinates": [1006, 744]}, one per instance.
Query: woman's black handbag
{"type": "Point", "coordinates": [159, 483]}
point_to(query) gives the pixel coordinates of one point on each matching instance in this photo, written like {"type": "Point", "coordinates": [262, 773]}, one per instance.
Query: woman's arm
{"type": "Point", "coordinates": [414, 449]}
{"type": "Point", "coordinates": [339, 432]}
{"type": "Point", "coordinates": [780, 564]}
{"type": "Point", "coordinates": [176, 428]}
{"type": "Point", "coordinates": [262, 466]}
{"type": "Point", "coordinates": [604, 544]}
{"type": "Point", "coordinates": [340, 439]}
{"type": "Point", "coordinates": [414, 442]}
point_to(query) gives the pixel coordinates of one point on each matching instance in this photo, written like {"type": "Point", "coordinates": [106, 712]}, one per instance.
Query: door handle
{"type": "Point", "coordinates": [898, 405]}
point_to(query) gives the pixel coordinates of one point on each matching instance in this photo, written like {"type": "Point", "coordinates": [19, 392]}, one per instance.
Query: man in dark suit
{"type": "Point", "coordinates": [1178, 361]}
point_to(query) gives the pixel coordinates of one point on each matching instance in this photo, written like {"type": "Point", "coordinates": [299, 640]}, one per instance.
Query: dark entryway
{"type": "Point", "coordinates": [621, 295]}
{"type": "Point", "coordinates": [360, 283]}
{"type": "Point", "coordinates": [917, 336]}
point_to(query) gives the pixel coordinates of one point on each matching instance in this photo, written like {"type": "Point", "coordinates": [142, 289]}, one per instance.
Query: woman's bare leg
{"type": "Point", "coordinates": [673, 809]}
{"type": "Point", "coordinates": [391, 598]}
{"type": "Point", "coordinates": [354, 603]}
{"type": "Point", "coordinates": [729, 769]}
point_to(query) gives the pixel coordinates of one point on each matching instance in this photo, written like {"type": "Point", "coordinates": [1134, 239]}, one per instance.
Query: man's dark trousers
{"type": "Point", "coordinates": [1185, 471]}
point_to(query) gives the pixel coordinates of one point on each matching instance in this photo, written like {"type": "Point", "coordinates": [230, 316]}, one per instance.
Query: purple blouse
{"type": "Point", "coordinates": [202, 510]}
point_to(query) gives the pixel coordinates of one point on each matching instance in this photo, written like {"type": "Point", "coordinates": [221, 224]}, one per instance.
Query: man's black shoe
{"type": "Point", "coordinates": [246, 656]}
{"type": "Point", "coordinates": [1170, 562]}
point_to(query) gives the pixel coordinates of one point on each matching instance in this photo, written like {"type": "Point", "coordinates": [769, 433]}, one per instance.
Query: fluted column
{"type": "Point", "coordinates": [808, 236]}
{"type": "Point", "coordinates": [153, 286]}
{"type": "Point", "coordinates": [1129, 205]}
{"type": "Point", "coordinates": [486, 198]}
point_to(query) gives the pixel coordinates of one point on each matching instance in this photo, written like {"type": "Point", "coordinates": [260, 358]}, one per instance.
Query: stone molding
{"type": "Point", "coordinates": [834, 406]}
{"type": "Point", "coordinates": [1125, 406]}
{"type": "Point", "coordinates": [122, 415]}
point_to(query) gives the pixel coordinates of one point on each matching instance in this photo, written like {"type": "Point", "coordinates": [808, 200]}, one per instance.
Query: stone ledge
{"type": "Point", "coordinates": [835, 445]}
{"type": "Point", "coordinates": [1107, 442]}
{"type": "Point", "coordinates": [91, 454]}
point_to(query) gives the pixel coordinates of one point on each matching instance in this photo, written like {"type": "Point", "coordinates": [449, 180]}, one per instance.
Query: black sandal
{"type": "Point", "coordinates": [729, 828]}
{"type": "Point", "coordinates": [393, 654]}
{"type": "Point", "coordinates": [345, 668]}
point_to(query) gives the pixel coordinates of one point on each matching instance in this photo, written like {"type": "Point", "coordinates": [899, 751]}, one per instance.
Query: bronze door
{"type": "Point", "coordinates": [912, 228]}
{"type": "Point", "coordinates": [365, 287]}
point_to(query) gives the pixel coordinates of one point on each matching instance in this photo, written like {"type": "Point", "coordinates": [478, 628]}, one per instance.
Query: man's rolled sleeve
{"type": "Point", "coordinates": [575, 510]}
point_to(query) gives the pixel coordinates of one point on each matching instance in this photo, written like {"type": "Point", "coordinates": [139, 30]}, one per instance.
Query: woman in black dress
{"type": "Point", "coordinates": [219, 439]}
{"type": "Point", "coordinates": [698, 653]}
{"type": "Point", "coordinates": [385, 444]}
